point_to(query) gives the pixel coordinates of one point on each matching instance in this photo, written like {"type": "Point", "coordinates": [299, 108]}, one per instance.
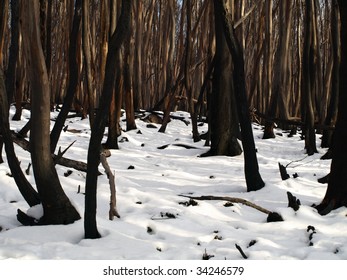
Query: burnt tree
{"type": "Point", "coordinates": [57, 208]}
{"type": "Point", "coordinates": [336, 194]}
{"type": "Point", "coordinates": [115, 43]}
{"type": "Point", "coordinates": [224, 123]}
{"type": "Point", "coordinates": [253, 179]}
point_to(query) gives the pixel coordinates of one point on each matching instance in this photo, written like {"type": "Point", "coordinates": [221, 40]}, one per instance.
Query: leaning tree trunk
{"type": "Point", "coordinates": [253, 179]}
{"type": "Point", "coordinates": [25, 188]}
{"type": "Point", "coordinates": [115, 43]}
{"type": "Point", "coordinates": [57, 208]}
{"type": "Point", "coordinates": [336, 194]}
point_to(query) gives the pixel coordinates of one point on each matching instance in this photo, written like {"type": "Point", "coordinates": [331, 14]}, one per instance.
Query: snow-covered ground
{"type": "Point", "coordinates": [157, 223]}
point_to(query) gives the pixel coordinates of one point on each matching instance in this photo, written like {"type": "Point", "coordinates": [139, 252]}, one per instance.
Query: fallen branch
{"type": "Point", "coordinates": [230, 199]}
{"type": "Point", "coordinates": [70, 163]}
{"type": "Point", "coordinates": [113, 202]}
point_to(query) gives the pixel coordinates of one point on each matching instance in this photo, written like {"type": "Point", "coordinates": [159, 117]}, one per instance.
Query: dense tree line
{"type": "Point", "coordinates": [229, 62]}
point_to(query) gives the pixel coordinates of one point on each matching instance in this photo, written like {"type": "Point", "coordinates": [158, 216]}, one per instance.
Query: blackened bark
{"type": "Point", "coordinates": [98, 128]}
{"type": "Point", "coordinates": [57, 208]}
{"type": "Point", "coordinates": [334, 95]}
{"type": "Point", "coordinates": [309, 80]}
{"type": "Point", "coordinates": [253, 179]}
{"type": "Point", "coordinates": [25, 188]}
{"type": "Point", "coordinates": [336, 194]}
{"type": "Point", "coordinates": [13, 56]}
{"type": "Point", "coordinates": [223, 117]}
{"type": "Point", "coordinates": [187, 82]}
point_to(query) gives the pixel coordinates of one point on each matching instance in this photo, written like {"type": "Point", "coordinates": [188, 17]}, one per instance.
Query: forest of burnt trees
{"type": "Point", "coordinates": [229, 62]}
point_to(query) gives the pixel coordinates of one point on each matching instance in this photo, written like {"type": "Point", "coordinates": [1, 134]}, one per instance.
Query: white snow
{"type": "Point", "coordinates": [148, 199]}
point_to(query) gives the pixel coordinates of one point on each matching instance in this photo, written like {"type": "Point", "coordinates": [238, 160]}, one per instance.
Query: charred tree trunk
{"type": "Point", "coordinates": [128, 85]}
{"type": "Point", "coordinates": [3, 24]}
{"type": "Point", "coordinates": [224, 122]}
{"type": "Point", "coordinates": [88, 59]}
{"type": "Point", "coordinates": [14, 51]}
{"type": "Point", "coordinates": [57, 208]}
{"type": "Point", "coordinates": [187, 81]}
{"type": "Point", "coordinates": [115, 43]}
{"type": "Point", "coordinates": [253, 179]}
{"type": "Point", "coordinates": [336, 194]}
{"type": "Point", "coordinates": [25, 188]}
{"type": "Point", "coordinates": [333, 103]}
{"type": "Point", "coordinates": [309, 80]}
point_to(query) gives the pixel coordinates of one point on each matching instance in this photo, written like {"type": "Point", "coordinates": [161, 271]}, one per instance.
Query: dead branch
{"type": "Point", "coordinates": [113, 201]}
{"type": "Point", "coordinates": [70, 163]}
{"type": "Point", "coordinates": [61, 153]}
{"type": "Point", "coordinates": [230, 199]}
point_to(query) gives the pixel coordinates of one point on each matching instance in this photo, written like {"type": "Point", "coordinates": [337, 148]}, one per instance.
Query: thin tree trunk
{"type": "Point", "coordinates": [14, 51]}
{"type": "Point", "coordinates": [87, 59]}
{"type": "Point", "coordinates": [188, 86]}
{"type": "Point", "coordinates": [309, 77]}
{"type": "Point", "coordinates": [3, 24]}
{"type": "Point", "coordinates": [115, 43]}
{"type": "Point", "coordinates": [253, 179]}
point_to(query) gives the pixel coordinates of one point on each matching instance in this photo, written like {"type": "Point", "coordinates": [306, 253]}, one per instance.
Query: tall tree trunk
{"type": "Point", "coordinates": [128, 84]}
{"type": "Point", "coordinates": [336, 194]}
{"type": "Point", "coordinates": [57, 208]}
{"type": "Point", "coordinates": [88, 59]}
{"type": "Point", "coordinates": [14, 52]}
{"type": "Point", "coordinates": [138, 90]}
{"type": "Point", "coordinates": [253, 179]}
{"type": "Point", "coordinates": [309, 80]}
{"type": "Point", "coordinates": [334, 89]}
{"type": "Point", "coordinates": [280, 84]}
{"type": "Point", "coordinates": [187, 81]}
{"type": "Point", "coordinates": [115, 43]}
{"type": "Point", "coordinates": [3, 24]}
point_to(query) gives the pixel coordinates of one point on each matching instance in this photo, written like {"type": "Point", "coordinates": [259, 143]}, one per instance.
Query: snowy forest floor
{"type": "Point", "coordinates": [157, 223]}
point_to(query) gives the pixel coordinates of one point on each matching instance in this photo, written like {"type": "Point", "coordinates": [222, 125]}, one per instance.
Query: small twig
{"type": "Point", "coordinates": [296, 161]}
{"type": "Point", "coordinates": [241, 252]}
